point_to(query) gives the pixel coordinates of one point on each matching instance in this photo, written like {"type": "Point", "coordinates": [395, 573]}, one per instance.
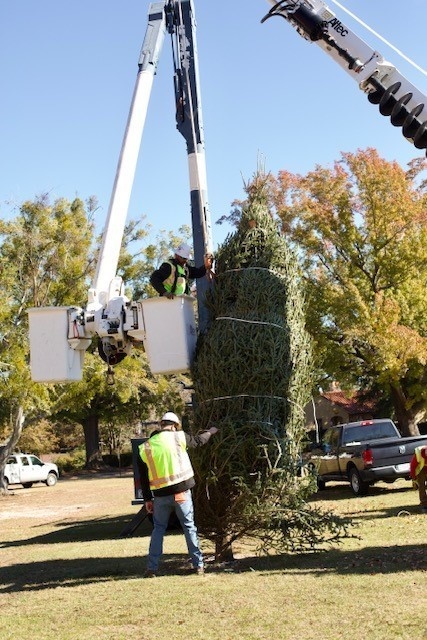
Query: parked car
{"type": "Point", "coordinates": [363, 453]}
{"type": "Point", "coordinates": [25, 469]}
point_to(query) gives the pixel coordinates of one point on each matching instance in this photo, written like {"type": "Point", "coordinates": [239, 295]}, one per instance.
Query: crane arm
{"type": "Point", "coordinates": [384, 85]}
{"type": "Point", "coordinates": [109, 314]}
{"type": "Point", "coordinates": [125, 173]}
{"type": "Point", "coordinates": [181, 24]}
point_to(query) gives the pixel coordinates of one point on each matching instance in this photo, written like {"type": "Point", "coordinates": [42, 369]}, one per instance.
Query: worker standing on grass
{"type": "Point", "coordinates": [167, 478]}
{"type": "Point", "coordinates": [419, 474]}
{"type": "Point", "coordinates": [172, 277]}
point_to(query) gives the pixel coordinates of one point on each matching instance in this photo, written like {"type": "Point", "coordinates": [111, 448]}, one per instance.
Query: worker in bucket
{"type": "Point", "coordinates": [419, 475]}
{"type": "Point", "coordinates": [172, 277]}
{"type": "Point", "coordinates": [167, 478]}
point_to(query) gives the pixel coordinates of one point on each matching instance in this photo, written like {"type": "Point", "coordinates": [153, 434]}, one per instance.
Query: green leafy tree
{"type": "Point", "coordinates": [252, 378]}
{"type": "Point", "coordinates": [361, 231]}
{"type": "Point", "coordinates": [47, 260]}
{"type": "Point", "coordinates": [128, 395]}
{"type": "Point", "coordinates": [40, 437]}
{"type": "Point", "coordinates": [136, 273]}
{"type": "Point", "coordinates": [44, 261]}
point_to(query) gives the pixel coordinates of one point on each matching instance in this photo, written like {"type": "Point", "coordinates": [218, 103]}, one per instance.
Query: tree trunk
{"type": "Point", "coordinates": [223, 549]}
{"type": "Point", "coordinates": [93, 452]}
{"type": "Point", "coordinates": [10, 445]}
{"type": "Point", "coordinates": [407, 419]}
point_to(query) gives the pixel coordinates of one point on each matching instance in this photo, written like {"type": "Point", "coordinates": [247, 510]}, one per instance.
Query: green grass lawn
{"type": "Point", "coordinates": [66, 573]}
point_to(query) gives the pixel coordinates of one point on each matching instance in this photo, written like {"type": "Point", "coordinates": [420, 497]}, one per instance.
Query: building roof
{"type": "Point", "coordinates": [352, 403]}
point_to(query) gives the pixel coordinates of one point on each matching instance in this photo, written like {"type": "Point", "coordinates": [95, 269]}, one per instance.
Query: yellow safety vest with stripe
{"type": "Point", "coordinates": [181, 280]}
{"type": "Point", "coordinates": [166, 457]}
{"type": "Point", "coordinates": [421, 461]}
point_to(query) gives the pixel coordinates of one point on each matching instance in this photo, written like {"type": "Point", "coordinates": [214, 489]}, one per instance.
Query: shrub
{"type": "Point", "coordinates": [72, 461]}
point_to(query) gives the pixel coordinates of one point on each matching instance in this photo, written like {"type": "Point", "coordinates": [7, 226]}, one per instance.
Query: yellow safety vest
{"type": "Point", "coordinates": [181, 281]}
{"type": "Point", "coordinates": [421, 461]}
{"type": "Point", "coordinates": [166, 457]}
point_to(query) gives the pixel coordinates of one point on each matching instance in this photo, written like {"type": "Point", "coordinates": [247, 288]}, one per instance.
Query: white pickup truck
{"type": "Point", "coordinates": [26, 469]}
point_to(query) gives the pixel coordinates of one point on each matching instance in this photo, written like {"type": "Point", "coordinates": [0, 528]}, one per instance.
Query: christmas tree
{"type": "Point", "coordinates": [252, 378]}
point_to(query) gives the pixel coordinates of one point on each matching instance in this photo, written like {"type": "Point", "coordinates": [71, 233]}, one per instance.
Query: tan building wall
{"type": "Point", "coordinates": [334, 408]}
{"type": "Point", "coordinates": [327, 414]}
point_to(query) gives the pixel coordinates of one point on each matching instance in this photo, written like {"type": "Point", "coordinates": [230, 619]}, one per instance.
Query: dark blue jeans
{"type": "Point", "coordinates": [162, 508]}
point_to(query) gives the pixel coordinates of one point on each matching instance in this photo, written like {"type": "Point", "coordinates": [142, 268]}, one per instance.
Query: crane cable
{"type": "Point", "coordinates": [414, 64]}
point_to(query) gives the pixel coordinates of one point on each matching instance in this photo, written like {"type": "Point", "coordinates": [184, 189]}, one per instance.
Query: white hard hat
{"type": "Point", "coordinates": [170, 417]}
{"type": "Point", "coordinates": [183, 250]}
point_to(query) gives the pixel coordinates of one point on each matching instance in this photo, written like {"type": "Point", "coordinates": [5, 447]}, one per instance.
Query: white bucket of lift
{"type": "Point", "coordinates": [170, 333]}
{"type": "Point", "coordinates": [51, 357]}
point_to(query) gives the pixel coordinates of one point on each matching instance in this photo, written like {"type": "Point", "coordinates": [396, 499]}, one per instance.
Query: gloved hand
{"type": "Point", "coordinates": [208, 261]}
{"type": "Point", "coordinates": [149, 506]}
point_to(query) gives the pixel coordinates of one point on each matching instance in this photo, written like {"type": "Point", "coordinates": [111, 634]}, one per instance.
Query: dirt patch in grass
{"type": "Point", "coordinates": [73, 496]}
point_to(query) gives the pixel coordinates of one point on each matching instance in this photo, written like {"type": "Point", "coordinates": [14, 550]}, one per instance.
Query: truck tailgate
{"type": "Point", "coordinates": [395, 452]}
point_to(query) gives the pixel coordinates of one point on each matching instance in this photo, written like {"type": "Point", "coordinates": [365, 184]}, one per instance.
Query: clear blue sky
{"type": "Point", "coordinates": [67, 73]}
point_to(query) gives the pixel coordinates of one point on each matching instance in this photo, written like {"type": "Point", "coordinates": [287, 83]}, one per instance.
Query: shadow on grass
{"type": "Point", "coordinates": [369, 561]}
{"type": "Point", "coordinates": [108, 528]}
{"type": "Point", "coordinates": [343, 491]}
{"type": "Point", "coordinates": [48, 574]}
{"type": "Point", "coordinates": [83, 531]}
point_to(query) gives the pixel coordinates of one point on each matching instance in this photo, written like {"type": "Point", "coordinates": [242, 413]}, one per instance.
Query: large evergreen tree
{"type": "Point", "coordinates": [252, 377]}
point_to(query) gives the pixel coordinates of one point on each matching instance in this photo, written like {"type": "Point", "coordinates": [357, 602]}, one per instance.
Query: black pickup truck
{"type": "Point", "coordinates": [363, 453]}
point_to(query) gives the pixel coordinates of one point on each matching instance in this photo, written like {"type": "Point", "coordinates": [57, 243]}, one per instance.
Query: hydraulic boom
{"type": "Point", "coordinates": [116, 321]}
{"type": "Point", "coordinates": [384, 85]}
{"type": "Point", "coordinates": [106, 299]}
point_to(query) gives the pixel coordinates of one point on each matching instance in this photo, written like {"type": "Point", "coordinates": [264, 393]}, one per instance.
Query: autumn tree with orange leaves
{"type": "Point", "coordinates": [361, 230]}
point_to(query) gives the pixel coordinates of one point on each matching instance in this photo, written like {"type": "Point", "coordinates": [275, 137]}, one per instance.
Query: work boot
{"type": "Point", "coordinates": [150, 574]}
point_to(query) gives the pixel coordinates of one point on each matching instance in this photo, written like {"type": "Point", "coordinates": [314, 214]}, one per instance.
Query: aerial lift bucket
{"type": "Point", "coordinates": [170, 333]}
{"type": "Point", "coordinates": [52, 358]}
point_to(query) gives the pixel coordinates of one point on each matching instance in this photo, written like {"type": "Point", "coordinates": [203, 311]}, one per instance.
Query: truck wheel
{"type": "Point", "coordinates": [321, 484]}
{"type": "Point", "coordinates": [51, 480]}
{"type": "Point", "coordinates": [27, 485]}
{"type": "Point", "coordinates": [358, 487]}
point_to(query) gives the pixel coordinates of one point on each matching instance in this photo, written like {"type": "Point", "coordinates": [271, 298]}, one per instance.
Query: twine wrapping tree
{"type": "Point", "coordinates": [252, 379]}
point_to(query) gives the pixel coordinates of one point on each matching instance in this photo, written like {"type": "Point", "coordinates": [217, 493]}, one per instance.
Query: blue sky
{"type": "Point", "coordinates": [67, 74]}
